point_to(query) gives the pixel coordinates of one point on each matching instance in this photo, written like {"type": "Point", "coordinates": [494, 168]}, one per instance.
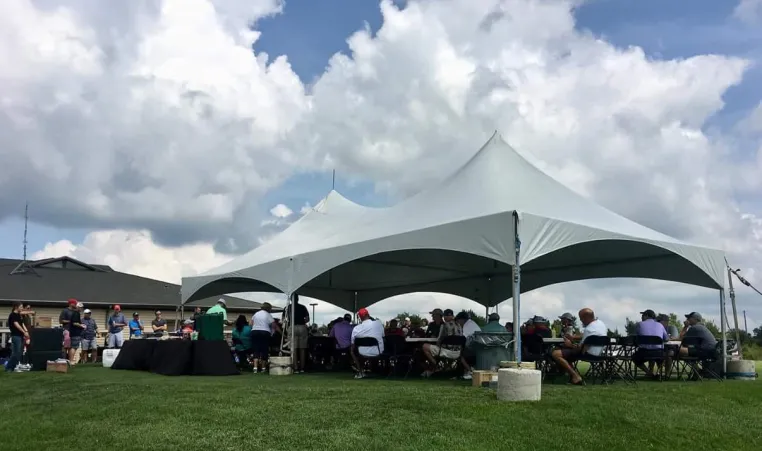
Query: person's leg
{"type": "Point", "coordinates": [638, 358]}
{"type": "Point", "coordinates": [562, 360]}
{"type": "Point", "coordinates": [17, 348]}
{"type": "Point", "coordinates": [119, 340]}
{"type": "Point", "coordinates": [94, 355]}
{"type": "Point", "coordinates": [83, 354]}
{"type": "Point", "coordinates": [428, 353]}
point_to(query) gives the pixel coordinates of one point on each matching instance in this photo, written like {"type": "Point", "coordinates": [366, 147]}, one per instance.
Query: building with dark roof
{"type": "Point", "coordinates": [47, 285]}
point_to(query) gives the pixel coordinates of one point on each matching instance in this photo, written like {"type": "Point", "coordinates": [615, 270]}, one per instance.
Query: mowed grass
{"type": "Point", "coordinates": [96, 408]}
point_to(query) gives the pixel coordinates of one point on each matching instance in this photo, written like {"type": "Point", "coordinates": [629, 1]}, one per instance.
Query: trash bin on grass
{"type": "Point", "coordinates": [491, 348]}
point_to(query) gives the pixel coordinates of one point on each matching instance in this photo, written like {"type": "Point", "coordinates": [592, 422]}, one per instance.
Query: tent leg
{"type": "Point", "coordinates": [292, 303]}
{"type": "Point", "coordinates": [354, 311]}
{"type": "Point", "coordinates": [723, 321]}
{"type": "Point", "coordinates": [516, 290]}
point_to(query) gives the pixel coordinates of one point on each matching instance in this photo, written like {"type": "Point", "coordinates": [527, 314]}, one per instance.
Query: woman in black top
{"type": "Point", "coordinates": [18, 335]}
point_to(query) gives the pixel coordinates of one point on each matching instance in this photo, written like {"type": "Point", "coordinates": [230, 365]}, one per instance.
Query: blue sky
{"type": "Point", "coordinates": [310, 32]}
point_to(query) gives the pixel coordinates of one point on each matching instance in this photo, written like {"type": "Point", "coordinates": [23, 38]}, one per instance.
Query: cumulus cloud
{"type": "Point", "coordinates": [281, 211]}
{"type": "Point", "coordinates": [159, 116]}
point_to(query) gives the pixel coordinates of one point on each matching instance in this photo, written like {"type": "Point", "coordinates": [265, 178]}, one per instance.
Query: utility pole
{"type": "Point", "coordinates": [744, 322]}
{"type": "Point", "coordinates": [313, 313]}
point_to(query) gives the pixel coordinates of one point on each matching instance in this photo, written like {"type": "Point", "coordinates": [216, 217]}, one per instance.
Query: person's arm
{"type": "Point", "coordinates": [21, 328]}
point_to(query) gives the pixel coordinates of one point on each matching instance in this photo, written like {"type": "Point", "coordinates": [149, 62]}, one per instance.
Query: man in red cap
{"type": "Point", "coordinates": [116, 323]}
{"type": "Point", "coordinates": [368, 327]}
{"type": "Point", "coordinates": [65, 320]}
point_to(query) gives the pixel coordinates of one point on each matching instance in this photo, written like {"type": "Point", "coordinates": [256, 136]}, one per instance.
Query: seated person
{"type": "Point", "coordinates": [449, 328]}
{"type": "Point", "coordinates": [416, 331]}
{"type": "Point", "coordinates": [672, 331]}
{"type": "Point", "coordinates": [509, 327]}
{"type": "Point", "coordinates": [570, 352]}
{"type": "Point", "coordinates": [694, 327]}
{"type": "Point", "coordinates": [648, 326]}
{"type": "Point", "coordinates": [394, 329]}
{"type": "Point", "coordinates": [542, 327]}
{"type": "Point", "coordinates": [493, 324]}
{"type": "Point", "coordinates": [432, 331]}
{"type": "Point", "coordinates": [342, 332]}
{"type": "Point", "coordinates": [567, 324]}
{"type": "Point", "coordinates": [468, 325]}
{"type": "Point", "coordinates": [368, 327]}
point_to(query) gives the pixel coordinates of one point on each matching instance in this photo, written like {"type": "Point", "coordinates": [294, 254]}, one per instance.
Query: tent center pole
{"type": "Point", "coordinates": [516, 290]}
{"type": "Point", "coordinates": [723, 321]}
{"type": "Point", "coordinates": [292, 320]}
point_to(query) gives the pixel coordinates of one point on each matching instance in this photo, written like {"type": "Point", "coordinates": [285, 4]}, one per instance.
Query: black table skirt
{"type": "Point", "coordinates": [172, 358]}
{"type": "Point", "coordinates": [135, 355]}
{"type": "Point", "coordinates": [177, 357]}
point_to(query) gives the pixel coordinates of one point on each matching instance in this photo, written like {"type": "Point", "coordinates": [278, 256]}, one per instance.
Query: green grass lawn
{"type": "Point", "coordinates": [96, 408]}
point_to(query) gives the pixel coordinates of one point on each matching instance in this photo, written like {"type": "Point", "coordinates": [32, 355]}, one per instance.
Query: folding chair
{"type": "Point", "coordinates": [395, 351]}
{"type": "Point", "coordinates": [600, 365]}
{"type": "Point", "coordinates": [688, 367]}
{"type": "Point", "coordinates": [653, 354]}
{"type": "Point", "coordinates": [366, 362]}
{"type": "Point", "coordinates": [450, 341]}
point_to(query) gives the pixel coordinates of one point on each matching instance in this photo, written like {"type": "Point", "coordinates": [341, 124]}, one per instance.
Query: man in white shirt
{"type": "Point", "coordinates": [368, 327]}
{"type": "Point", "coordinates": [571, 351]}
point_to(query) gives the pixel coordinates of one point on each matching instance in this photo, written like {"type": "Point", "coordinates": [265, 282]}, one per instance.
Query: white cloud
{"type": "Point", "coordinates": [749, 11]}
{"type": "Point", "coordinates": [135, 252]}
{"type": "Point", "coordinates": [281, 211]}
{"type": "Point", "coordinates": [158, 116]}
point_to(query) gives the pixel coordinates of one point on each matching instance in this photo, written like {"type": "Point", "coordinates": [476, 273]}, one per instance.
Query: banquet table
{"type": "Point", "coordinates": [421, 340]}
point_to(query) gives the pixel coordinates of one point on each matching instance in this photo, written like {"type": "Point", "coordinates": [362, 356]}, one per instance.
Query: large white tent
{"type": "Point", "coordinates": [463, 236]}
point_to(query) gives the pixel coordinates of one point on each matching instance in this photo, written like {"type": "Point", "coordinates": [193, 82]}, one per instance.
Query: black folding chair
{"type": "Point", "coordinates": [689, 367]}
{"type": "Point", "coordinates": [450, 342]}
{"type": "Point", "coordinates": [656, 356]}
{"type": "Point", "coordinates": [396, 355]}
{"type": "Point", "coordinates": [600, 365]}
{"type": "Point", "coordinates": [367, 362]}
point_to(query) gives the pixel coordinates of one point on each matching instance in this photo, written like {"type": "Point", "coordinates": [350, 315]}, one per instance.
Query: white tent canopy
{"type": "Point", "coordinates": [459, 237]}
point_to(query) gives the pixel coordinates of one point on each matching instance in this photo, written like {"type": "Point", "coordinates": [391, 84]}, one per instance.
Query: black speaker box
{"type": "Point", "coordinates": [39, 359]}
{"type": "Point", "coordinates": [43, 340]}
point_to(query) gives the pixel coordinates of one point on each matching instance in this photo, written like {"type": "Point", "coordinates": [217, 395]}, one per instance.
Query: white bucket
{"type": "Point", "coordinates": [109, 355]}
{"type": "Point", "coordinates": [744, 370]}
{"type": "Point", "coordinates": [280, 366]}
{"type": "Point", "coordinates": [517, 384]}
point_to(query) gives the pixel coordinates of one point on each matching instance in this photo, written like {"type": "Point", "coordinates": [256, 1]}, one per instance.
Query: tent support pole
{"type": "Point", "coordinates": [354, 310]}
{"type": "Point", "coordinates": [292, 302]}
{"type": "Point", "coordinates": [516, 290]}
{"type": "Point", "coordinates": [723, 321]}
{"type": "Point", "coordinates": [732, 295]}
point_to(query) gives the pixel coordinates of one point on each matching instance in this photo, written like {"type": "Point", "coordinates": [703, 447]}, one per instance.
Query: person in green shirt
{"type": "Point", "coordinates": [242, 340]}
{"type": "Point", "coordinates": [220, 308]}
{"type": "Point", "coordinates": [493, 324]}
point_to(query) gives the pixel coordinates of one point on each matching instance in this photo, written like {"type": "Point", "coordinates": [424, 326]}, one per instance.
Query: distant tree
{"type": "Point", "coordinates": [629, 326]}
{"type": "Point", "coordinates": [744, 336]}
{"type": "Point", "coordinates": [480, 320]}
{"type": "Point", "coordinates": [414, 318]}
{"type": "Point", "coordinates": [713, 328]}
{"type": "Point", "coordinates": [614, 333]}
{"type": "Point", "coordinates": [757, 335]}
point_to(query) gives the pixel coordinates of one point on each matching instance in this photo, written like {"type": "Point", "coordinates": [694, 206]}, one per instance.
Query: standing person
{"type": "Point", "coordinates": [159, 325]}
{"type": "Point", "coordinates": [75, 333]}
{"type": "Point", "coordinates": [263, 326]}
{"type": "Point", "coordinates": [242, 342]}
{"type": "Point", "coordinates": [136, 326]}
{"type": "Point", "coordinates": [301, 333]}
{"type": "Point", "coordinates": [221, 308]}
{"type": "Point", "coordinates": [89, 338]}
{"type": "Point", "coordinates": [64, 319]}
{"type": "Point", "coordinates": [18, 335]}
{"type": "Point", "coordinates": [196, 314]}
{"type": "Point", "coordinates": [116, 323]}
{"type": "Point", "coordinates": [27, 315]}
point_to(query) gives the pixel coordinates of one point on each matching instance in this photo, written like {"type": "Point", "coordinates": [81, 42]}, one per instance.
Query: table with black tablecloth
{"type": "Point", "coordinates": [177, 357]}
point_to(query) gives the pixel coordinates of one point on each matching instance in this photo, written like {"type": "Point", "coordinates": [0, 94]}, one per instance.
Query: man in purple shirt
{"type": "Point", "coordinates": [649, 327]}
{"type": "Point", "coordinates": [342, 332]}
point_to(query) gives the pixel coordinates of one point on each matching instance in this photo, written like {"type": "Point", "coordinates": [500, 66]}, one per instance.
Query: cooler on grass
{"type": "Point", "coordinates": [490, 348]}
{"type": "Point", "coordinates": [210, 327]}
